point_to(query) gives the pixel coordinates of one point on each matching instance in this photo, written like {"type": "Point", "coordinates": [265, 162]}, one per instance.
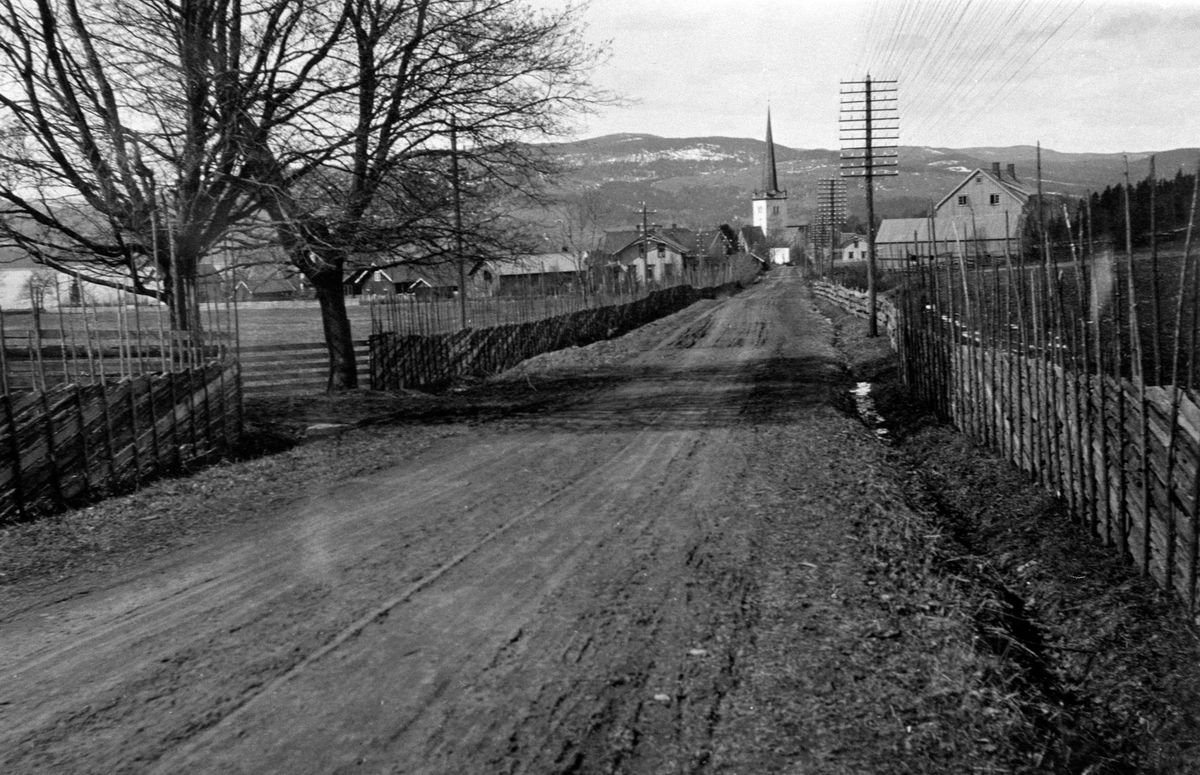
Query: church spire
{"type": "Point", "coordinates": [770, 205]}
{"type": "Point", "coordinates": [770, 179]}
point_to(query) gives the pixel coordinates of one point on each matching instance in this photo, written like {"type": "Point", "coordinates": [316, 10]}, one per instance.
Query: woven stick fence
{"type": "Point", "coordinates": [76, 442]}
{"type": "Point", "coordinates": [540, 299]}
{"type": "Point", "coordinates": [1079, 368]}
{"type": "Point", "coordinates": [430, 362]}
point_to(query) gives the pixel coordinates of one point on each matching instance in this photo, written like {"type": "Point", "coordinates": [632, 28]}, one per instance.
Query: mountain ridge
{"type": "Point", "coordinates": [705, 180]}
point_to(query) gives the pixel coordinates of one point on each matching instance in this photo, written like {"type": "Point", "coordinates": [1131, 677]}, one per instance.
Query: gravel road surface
{"type": "Point", "coordinates": [659, 579]}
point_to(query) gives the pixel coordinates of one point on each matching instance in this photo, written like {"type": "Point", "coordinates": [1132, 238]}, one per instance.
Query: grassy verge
{"type": "Point", "coordinates": [1078, 665]}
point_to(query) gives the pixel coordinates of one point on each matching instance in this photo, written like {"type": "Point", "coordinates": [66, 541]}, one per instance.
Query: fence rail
{"type": "Point", "coordinates": [75, 442]}
{"type": "Point", "coordinates": [411, 361]}
{"type": "Point", "coordinates": [275, 369]}
{"type": "Point", "coordinates": [413, 315]}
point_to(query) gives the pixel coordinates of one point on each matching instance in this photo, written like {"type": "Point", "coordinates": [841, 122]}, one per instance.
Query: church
{"type": "Point", "coordinates": [769, 210]}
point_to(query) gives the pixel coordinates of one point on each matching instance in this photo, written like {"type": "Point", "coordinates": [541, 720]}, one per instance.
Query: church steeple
{"type": "Point", "coordinates": [770, 178]}
{"type": "Point", "coordinates": [770, 204]}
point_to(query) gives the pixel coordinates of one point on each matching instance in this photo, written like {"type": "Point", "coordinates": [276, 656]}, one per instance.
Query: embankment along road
{"type": "Point", "coordinates": [655, 579]}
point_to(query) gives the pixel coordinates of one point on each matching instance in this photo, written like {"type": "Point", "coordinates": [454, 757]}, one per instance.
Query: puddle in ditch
{"type": "Point", "coordinates": [865, 404]}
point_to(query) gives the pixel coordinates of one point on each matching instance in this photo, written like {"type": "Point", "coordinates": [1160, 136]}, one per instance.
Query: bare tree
{"type": "Point", "coordinates": [135, 136]}
{"type": "Point", "coordinates": [582, 219]}
{"type": "Point", "coordinates": [371, 176]}
{"type": "Point", "coordinates": [124, 127]}
{"type": "Point", "coordinates": [40, 285]}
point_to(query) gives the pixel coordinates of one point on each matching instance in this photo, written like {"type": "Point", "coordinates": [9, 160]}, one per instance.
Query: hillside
{"type": "Point", "coordinates": [706, 180]}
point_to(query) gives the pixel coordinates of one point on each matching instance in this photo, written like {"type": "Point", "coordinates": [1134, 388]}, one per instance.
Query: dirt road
{"type": "Point", "coordinates": [659, 579]}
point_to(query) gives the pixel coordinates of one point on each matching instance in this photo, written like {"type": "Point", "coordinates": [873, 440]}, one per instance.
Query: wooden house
{"type": "Point", "coordinates": [981, 217]}
{"type": "Point", "coordinates": [537, 274]}
{"type": "Point", "coordinates": [657, 255]}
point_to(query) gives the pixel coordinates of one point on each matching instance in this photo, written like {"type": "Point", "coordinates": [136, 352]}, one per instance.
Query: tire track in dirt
{"type": "Point", "coordinates": [427, 720]}
{"type": "Point", "coordinates": [165, 627]}
{"type": "Point", "coordinates": [409, 622]}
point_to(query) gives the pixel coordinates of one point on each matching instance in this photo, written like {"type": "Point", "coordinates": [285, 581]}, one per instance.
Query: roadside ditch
{"type": "Point", "coordinates": [1093, 667]}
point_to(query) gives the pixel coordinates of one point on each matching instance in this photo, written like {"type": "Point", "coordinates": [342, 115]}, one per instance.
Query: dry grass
{"type": "Point", "coordinates": [1085, 666]}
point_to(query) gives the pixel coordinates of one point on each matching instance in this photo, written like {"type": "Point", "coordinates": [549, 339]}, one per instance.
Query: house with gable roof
{"type": "Point", "coordinates": [537, 273]}
{"type": "Point", "coordinates": [852, 247]}
{"type": "Point", "coordinates": [982, 216]}
{"type": "Point", "coordinates": [657, 255]}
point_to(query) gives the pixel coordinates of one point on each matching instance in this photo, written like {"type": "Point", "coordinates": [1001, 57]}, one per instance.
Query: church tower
{"type": "Point", "coordinates": [770, 204]}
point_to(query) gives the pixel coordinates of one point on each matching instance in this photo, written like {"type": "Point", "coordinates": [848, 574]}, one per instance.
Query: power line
{"type": "Point", "coordinates": [950, 55]}
{"type": "Point", "coordinates": [1018, 75]}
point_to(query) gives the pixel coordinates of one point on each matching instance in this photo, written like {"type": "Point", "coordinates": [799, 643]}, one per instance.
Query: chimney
{"type": "Point", "coordinates": [1012, 171]}
{"type": "Point", "coordinates": [996, 169]}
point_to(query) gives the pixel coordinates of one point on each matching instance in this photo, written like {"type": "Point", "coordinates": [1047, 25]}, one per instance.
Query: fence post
{"type": "Point", "coordinates": [14, 449]}
{"type": "Point", "coordinates": [51, 451]}
{"type": "Point", "coordinates": [84, 456]}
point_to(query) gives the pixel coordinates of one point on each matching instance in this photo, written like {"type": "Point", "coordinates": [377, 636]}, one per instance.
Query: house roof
{"type": "Point", "coordinates": [537, 263]}
{"type": "Point", "coordinates": [716, 242]}
{"type": "Point", "coordinates": [680, 240]}
{"type": "Point", "coordinates": [850, 238]}
{"type": "Point", "coordinates": [751, 236]}
{"type": "Point", "coordinates": [365, 275]}
{"type": "Point", "coordinates": [900, 231]}
{"type": "Point", "coordinates": [1010, 184]}
{"type": "Point", "coordinates": [15, 258]}
{"type": "Point", "coordinates": [257, 278]}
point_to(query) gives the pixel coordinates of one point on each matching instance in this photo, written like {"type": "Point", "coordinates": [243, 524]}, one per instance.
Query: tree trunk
{"type": "Point", "coordinates": [331, 294]}
{"type": "Point", "coordinates": [183, 298]}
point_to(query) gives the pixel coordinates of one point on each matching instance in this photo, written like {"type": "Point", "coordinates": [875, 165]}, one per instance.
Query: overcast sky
{"type": "Point", "coordinates": [1076, 75]}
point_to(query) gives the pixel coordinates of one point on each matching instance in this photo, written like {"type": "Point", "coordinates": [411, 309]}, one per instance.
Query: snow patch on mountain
{"type": "Point", "coordinates": [702, 152]}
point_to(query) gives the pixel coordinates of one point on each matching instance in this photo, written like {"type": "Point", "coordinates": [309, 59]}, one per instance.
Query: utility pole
{"type": "Point", "coordinates": [458, 240]}
{"type": "Point", "coordinates": [831, 211]}
{"type": "Point", "coordinates": [869, 133]}
{"type": "Point", "coordinates": [646, 243]}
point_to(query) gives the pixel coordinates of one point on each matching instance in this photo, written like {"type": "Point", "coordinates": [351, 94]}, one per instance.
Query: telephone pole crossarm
{"type": "Point", "coordinates": [869, 129]}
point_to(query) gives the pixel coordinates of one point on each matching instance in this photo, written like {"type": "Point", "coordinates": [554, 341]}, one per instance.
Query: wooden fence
{"type": "Point", "coordinates": [1124, 456]}
{"type": "Point", "coordinates": [855, 303]}
{"type": "Point", "coordinates": [410, 361]}
{"type": "Point", "coordinates": [76, 442]}
{"type": "Point", "coordinates": [274, 369]}
{"type": "Point", "coordinates": [417, 315]}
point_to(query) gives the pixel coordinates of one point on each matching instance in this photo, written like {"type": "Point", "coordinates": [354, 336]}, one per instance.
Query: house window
{"type": "Point", "coordinates": [649, 273]}
{"type": "Point", "coordinates": [994, 199]}
{"type": "Point", "coordinates": [662, 250]}
{"type": "Point", "coordinates": [962, 201]}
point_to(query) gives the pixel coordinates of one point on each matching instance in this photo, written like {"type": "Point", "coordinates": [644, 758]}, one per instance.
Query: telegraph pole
{"type": "Point", "coordinates": [458, 237]}
{"type": "Point", "coordinates": [646, 243]}
{"type": "Point", "coordinates": [831, 211]}
{"type": "Point", "coordinates": [869, 133]}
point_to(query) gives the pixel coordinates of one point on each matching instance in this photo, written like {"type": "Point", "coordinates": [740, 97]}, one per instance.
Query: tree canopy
{"type": "Point", "coordinates": [136, 137]}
